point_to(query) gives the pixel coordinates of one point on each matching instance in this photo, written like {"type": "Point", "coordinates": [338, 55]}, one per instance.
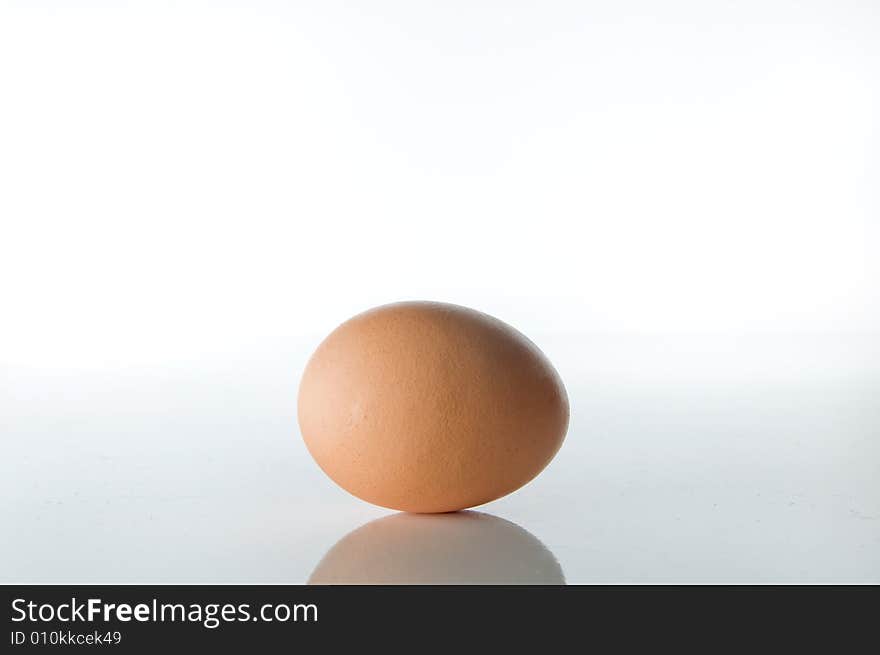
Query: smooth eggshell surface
{"type": "Point", "coordinates": [430, 407]}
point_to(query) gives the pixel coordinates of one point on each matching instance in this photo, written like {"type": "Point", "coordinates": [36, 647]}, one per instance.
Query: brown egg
{"type": "Point", "coordinates": [430, 407]}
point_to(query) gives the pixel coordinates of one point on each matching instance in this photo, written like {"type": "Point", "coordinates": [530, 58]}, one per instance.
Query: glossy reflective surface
{"type": "Point", "coordinates": [688, 459]}
{"type": "Point", "coordinates": [457, 548]}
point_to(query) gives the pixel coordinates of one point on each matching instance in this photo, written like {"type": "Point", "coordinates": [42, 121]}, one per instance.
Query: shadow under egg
{"type": "Point", "coordinates": [431, 549]}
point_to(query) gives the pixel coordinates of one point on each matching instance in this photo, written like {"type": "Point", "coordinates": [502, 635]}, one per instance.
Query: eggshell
{"type": "Point", "coordinates": [430, 407]}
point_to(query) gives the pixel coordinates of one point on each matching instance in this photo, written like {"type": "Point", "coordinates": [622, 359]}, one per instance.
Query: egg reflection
{"type": "Point", "coordinates": [459, 548]}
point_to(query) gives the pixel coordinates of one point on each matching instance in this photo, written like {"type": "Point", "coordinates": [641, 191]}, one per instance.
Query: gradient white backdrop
{"type": "Point", "coordinates": [641, 187]}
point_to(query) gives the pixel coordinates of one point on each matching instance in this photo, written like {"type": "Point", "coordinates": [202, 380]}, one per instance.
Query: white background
{"type": "Point", "coordinates": [677, 201]}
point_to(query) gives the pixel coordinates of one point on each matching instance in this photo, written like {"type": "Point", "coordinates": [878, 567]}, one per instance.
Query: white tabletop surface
{"type": "Point", "coordinates": [689, 459]}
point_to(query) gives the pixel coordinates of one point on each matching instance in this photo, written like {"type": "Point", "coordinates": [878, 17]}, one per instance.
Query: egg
{"type": "Point", "coordinates": [430, 407]}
